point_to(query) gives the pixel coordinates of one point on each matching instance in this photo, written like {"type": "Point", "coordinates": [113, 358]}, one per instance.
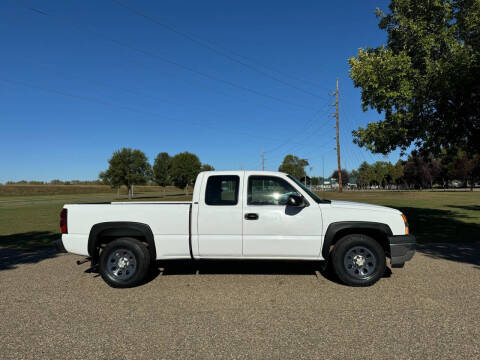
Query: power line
{"type": "Point", "coordinates": [216, 49]}
{"type": "Point", "coordinates": [128, 108]}
{"type": "Point", "coordinates": [309, 136]}
{"type": "Point", "coordinates": [184, 67]}
{"type": "Point", "coordinates": [128, 90]}
{"type": "Point", "coordinates": [307, 127]}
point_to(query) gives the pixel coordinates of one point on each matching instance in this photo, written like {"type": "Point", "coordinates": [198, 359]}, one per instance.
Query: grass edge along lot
{"type": "Point", "coordinates": [31, 221]}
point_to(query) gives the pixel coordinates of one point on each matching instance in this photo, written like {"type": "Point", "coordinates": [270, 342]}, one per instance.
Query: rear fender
{"type": "Point", "coordinates": [119, 229]}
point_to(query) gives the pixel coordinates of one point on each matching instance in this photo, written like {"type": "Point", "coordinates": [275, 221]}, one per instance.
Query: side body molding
{"type": "Point", "coordinates": [336, 227]}
{"type": "Point", "coordinates": [119, 229]}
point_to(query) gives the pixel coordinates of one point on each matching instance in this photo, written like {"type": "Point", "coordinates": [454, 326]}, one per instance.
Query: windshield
{"type": "Point", "coordinates": [314, 196]}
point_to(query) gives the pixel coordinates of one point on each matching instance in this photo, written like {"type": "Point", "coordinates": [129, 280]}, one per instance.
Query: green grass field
{"type": "Point", "coordinates": [29, 215]}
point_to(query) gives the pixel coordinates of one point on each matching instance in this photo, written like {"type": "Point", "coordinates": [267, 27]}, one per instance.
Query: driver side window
{"type": "Point", "coordinates": [268, 190]}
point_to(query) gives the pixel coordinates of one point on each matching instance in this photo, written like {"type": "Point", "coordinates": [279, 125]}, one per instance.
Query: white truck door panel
{"type": "Point", "coordinates": [272, 229]}
{"type": "Point", "coordinates": [220, 213]}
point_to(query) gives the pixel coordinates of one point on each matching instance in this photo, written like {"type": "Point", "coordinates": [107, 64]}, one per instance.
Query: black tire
{"type": "Point", "coordinates": [124, 263]}
{"type": "Point", "coordinates": [358, 260]}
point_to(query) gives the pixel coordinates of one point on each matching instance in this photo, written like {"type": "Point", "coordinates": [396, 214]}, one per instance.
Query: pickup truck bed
{"type": "Point", "coordinates": [169, 223]}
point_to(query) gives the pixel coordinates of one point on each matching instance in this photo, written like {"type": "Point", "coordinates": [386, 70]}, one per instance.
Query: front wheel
{"type": "Point", "coordinates": [358, 260]}
{"type": "Point", "coordinates": [124, 263]}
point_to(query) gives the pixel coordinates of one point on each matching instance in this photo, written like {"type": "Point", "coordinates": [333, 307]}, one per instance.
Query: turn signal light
{"type": "Point", "coordinates": [63, 221]}
{"type": "Point", "coordinates": [406, 224]}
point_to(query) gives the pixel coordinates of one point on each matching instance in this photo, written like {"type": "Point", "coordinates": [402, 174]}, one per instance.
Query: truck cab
{"type": "Point", "coordinates": [247, 214]}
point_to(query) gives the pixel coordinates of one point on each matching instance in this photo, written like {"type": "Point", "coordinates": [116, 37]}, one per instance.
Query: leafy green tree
{"type": "Point", "coordinates": [316, 180]}
{"type": "Point", "coordinates": [184, 169]}
{"type": "Point", "coordinates": [294, 166]}
{"type": "Point", "coordinates": [365, 175]}
{"type": "Point", "coordinates": [425, 80]}
{"type": "Point", "coordinates": [345, 176]}
{"type": "Point", "coordinates": [464, 167]}
{"type": "Point", "coordinates": [161, 169]}
{"type": "Point", "coordinates": [381, 173]}
{"type": "Point", "coordinates": [417, 171]}
{"type": "Point", "coordinates": [396, 172]}
{"type": "Point", "coordinates": [127, 167]}
{"type": "Point", "coordinates": [207, 167]}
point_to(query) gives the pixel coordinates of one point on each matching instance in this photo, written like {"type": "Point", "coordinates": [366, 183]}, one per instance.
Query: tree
{"type": "Point", "coordinates": [345, 176]}
{"type": "Point", "coordinates": [464, 167]}
{"type": "Point", "coordinates": [207, 167]}
{"type": "Point", "coordinates": [316, 180]}
{"type": "Point", "coordinates": [161, 169]}
{"type": "Point", "coordinates": [127, 167]}
{"type": "Point", "coordinates": [425, 81]}
{"type": "Point", "coordinates": [294, 166]}
{"type": "Point", "coordinates": [184, 169]}
{"type": "Point", "coordinates": [397, 172]}
{"type": "Point", "coordinates": [365, 174]}
{"type": "Point", "coordinates": [417, 172]}
{"type": "Point", "coordinates": [381, 173]}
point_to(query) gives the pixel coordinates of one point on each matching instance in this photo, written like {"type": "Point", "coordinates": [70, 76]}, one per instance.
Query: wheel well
{"type": "Point", "coordinates": [375, 234]}
{"type": "Point", "coordinates": [103, 233]}
{"type": "Point", "coordinates": [108, 236]}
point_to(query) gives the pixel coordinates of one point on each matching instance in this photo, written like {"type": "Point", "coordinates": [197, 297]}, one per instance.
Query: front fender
{"type": "Point", "coordinates": [336, 227]}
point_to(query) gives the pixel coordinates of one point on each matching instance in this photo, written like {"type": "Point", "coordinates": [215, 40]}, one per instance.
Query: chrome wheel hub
{"type": "Point", "coordinates": [360, 262]}
{"type": "Point", "coordinates": [122, 264]}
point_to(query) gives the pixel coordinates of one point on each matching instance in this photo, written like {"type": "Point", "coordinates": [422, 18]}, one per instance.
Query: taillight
{"type": "Point", "coordinates": [63, 221]}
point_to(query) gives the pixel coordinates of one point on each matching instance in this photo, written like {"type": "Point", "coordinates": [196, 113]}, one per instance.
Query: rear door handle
{"type": "Point", "coordinates": [251, 216]}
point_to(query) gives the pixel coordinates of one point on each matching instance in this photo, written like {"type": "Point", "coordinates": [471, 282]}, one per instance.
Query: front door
{"type": "Point", "coordinates": [273, 229]}
{"type": "Point", "coordinates": [220, 217]}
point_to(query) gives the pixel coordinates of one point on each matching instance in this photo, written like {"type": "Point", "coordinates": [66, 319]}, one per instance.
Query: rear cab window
{"type": "Point", "coordinates": [222, 190]}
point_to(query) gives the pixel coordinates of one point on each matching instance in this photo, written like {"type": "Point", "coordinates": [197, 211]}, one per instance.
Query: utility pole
{"type": "Point", "coordinates": [263, 160]}
{"type": "Point", "coordinates": [323, 172]}
{"type": "Point", "coordinates": [340, 187]}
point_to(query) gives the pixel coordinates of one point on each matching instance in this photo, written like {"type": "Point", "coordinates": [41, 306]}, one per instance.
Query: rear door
{"type": "Point", "coordinates": [220, 213]}
{"type": "Point", "coordinates": [273, 229]}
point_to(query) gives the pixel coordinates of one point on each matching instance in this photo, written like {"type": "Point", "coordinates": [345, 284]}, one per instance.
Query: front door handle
{"type": "Point", "coordinates": [251, 216]}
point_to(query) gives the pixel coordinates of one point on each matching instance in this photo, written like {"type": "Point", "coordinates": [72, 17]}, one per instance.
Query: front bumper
{"type": "Point", "coordinates": [402, 248]}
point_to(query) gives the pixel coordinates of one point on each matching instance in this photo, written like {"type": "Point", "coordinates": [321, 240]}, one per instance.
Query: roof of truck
{"type": "Point", "coordinates": [249, 172]}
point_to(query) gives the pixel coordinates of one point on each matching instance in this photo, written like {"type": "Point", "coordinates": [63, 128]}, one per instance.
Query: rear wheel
{"type": "Point", "coordinates": [124, 263]}
{"type": "Point", "coordinates": [358, 260]}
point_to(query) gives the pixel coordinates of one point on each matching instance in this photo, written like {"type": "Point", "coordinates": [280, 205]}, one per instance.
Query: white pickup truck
{"type": "Point", "coordinates": [238, 215]}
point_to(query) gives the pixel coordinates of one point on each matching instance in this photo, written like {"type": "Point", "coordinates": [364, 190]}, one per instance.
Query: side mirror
{"type": "Point", "coordinates": [295, 201]}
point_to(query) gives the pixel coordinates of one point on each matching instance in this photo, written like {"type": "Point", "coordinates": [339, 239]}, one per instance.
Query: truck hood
{"type": "Point", "coordinates": [362, 206]}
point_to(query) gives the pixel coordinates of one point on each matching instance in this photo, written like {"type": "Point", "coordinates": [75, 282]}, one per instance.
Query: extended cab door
{"type": "Point", "coordinates": [220, 211]}
{"type": "Point", "coordinates": [272, 229]}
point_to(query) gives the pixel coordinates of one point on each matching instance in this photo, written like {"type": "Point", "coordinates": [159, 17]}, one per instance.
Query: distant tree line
{"type": "Point", "coordinates": [130, 167]}
{"type": "Point", "coordinates": [420, 171]}
{"type": "Point", "coordinates": [55, 182]}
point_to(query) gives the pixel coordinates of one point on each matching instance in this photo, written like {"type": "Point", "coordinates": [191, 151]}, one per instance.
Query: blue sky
{"type": "Point", "coordinates": [80, 79]}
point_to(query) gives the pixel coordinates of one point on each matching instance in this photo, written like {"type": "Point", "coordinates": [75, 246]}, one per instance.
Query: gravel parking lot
{"type": "Point", "coordinates": [52, 309]}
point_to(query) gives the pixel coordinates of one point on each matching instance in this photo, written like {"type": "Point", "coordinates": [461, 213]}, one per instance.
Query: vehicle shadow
{"type": "Point", "coordinates": [440, 226]}
{"type": "Point", "coordinates": [441, 235]}
{"type": "Point", "coordinates": [246, 267]}
{"type": "Point", "coordinates": [464, 252]}
{"type": "Point", "coordinates": [26, 248]}
{"type": "Point", "coordinates": [237, 267]}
